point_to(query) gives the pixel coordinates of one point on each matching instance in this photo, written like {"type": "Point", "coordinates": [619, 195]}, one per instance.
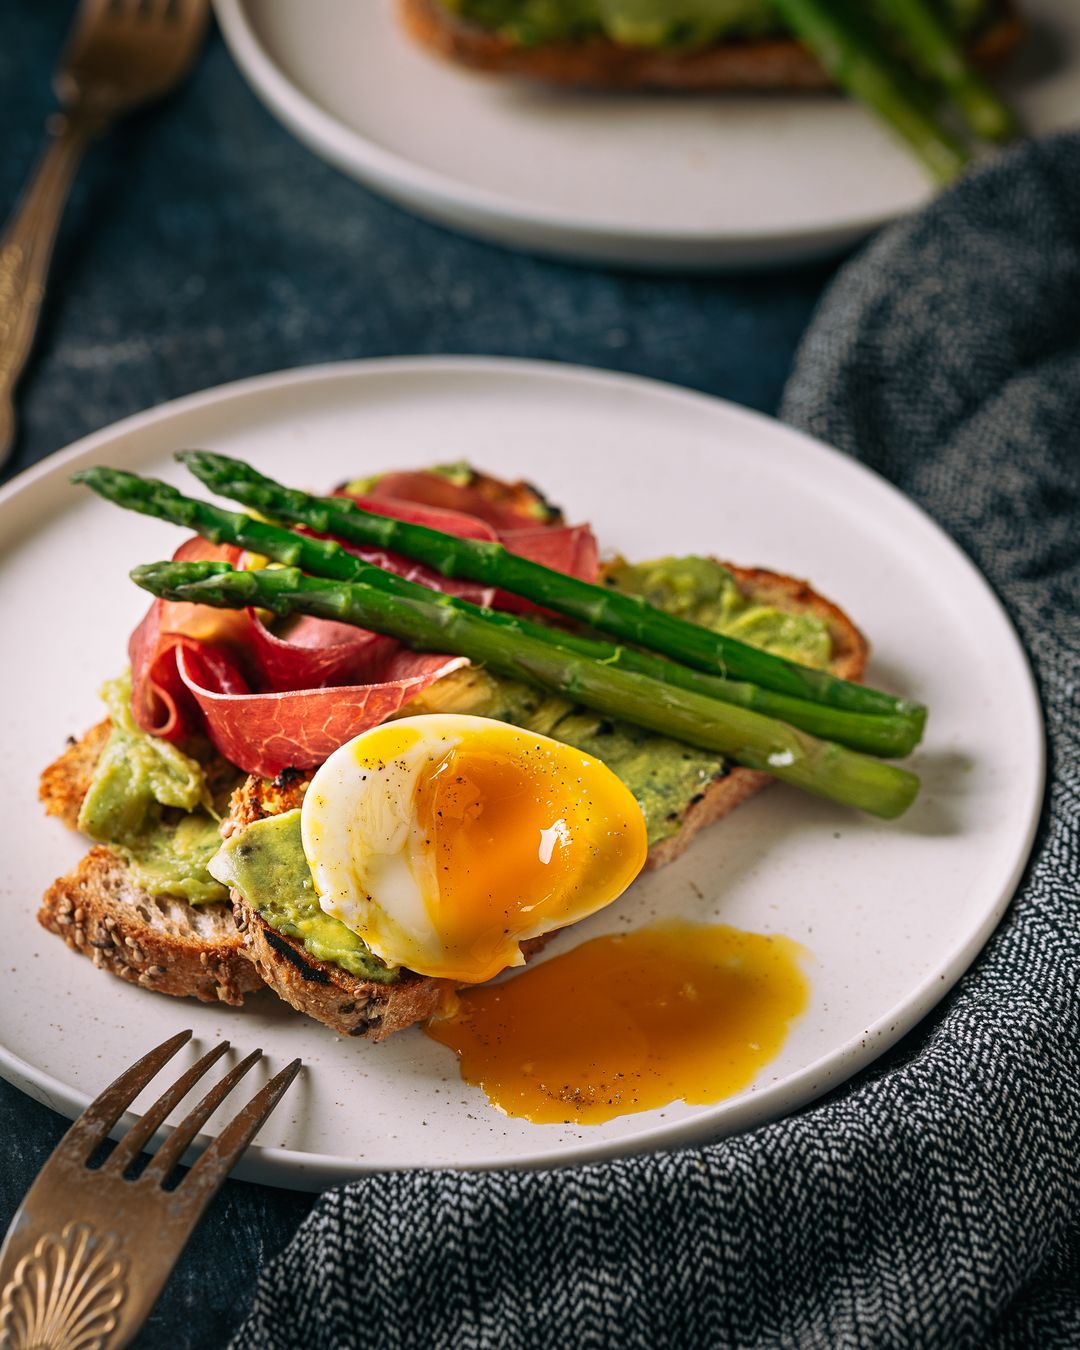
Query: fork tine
{"type": "Point", "coordinates": [130, 10]}
{"type": "Point", "coordinates": [173, 1149]}
{"type": "Point", "coordinates": [117, 11]}
{"type": "Point", "coordinates": [190, 17]}
{"type": "Point", "coordinates": [129, 1147]}
{"type": "Point", "coordinates": [104, 1111]}
{"type": "Point", "coordinates": [221, 1154]}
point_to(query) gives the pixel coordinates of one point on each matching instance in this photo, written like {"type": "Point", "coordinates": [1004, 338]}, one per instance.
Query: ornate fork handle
{"type": "Point", "coordinates": [26, 249]}
{"type": "Point", "coordinates": [65, 1293]}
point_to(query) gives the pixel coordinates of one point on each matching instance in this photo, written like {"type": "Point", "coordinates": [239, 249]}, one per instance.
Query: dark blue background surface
{"type": "Point", "coordinates": [203, 244]}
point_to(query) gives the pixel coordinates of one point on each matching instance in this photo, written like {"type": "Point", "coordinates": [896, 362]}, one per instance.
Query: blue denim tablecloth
{"type": "Point", "coordinates": [203, 244]}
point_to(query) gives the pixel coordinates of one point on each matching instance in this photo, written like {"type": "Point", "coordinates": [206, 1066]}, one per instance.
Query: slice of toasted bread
{"type": "Point", "coordinates": [347, 1004]}
{"type": "Point", "coordinates": [159, 943]}
{"type": "Point", "coordinates": [156, 942]}
{"type": "Point", "coordinates": [849, 655]}
{"type": "Point", "coordinates": [65, 782]}
{"type": "Point", "coordinates": [765, 64]}
{"type": "Point", "coordinates": [355, 1007]}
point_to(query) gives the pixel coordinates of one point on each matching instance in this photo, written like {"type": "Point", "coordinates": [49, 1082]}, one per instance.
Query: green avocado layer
{"type": "Point", "coordinates": [150, 802]}
{"type": "Point", "coordinates": [654, 23]}
{"type": "Point", "coordinates": [266, 863]}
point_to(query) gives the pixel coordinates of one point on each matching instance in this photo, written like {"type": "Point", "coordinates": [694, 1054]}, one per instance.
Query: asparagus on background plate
{"type": "Point", "coordinates": [940, 57]}
{"type": "Point", "coordinates": [855, 42]}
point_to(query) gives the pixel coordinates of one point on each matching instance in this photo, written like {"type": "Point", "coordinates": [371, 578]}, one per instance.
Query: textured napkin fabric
{"type": "Point", "coordinates": [935, 1201]}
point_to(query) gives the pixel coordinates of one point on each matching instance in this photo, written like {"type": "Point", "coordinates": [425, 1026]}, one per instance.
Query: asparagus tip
{"type": "Point", "coordinates": [171, 579]}
{"type": "Point", "coordinates": [208, 462]}
{"type": "Point", "coordinates": [194, 456]}
{"type": "Point", "coordinates": [103, 480]}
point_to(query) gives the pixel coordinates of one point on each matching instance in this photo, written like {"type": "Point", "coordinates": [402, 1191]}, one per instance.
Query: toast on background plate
{"type": "Point", "coordinates": [739, 63]}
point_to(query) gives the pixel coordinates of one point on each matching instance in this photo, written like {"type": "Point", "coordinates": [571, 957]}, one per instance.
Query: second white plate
{"type": "Point", "coordinates": [890, 914]}
{"type": "Point", "coordinates": [675, 182]}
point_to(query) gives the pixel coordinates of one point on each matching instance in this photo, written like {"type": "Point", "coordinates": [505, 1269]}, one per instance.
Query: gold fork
{"type": "Point", "coordinates": [89, 1250]}
{"type": "Point", "coordinates": [119, 54]}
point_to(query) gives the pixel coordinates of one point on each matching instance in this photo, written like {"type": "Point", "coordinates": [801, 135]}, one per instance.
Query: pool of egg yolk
{"type": "Point", "coordinates": [629, 1022]}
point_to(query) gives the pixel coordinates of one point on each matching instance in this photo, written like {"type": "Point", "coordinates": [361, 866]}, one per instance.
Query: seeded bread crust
{"type": "Point", "coordinates": [769, 64]}
{"type": "Point", "coordinates": [355, 1007]}
{"type": "Point", "coordinates": [158, 943]}
{"type": "Point", "coordinates": [346, 1004]}
{"type": "Point", "coordinates": [65, 783]}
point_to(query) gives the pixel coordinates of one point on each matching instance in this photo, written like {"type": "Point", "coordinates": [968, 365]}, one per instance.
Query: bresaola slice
{"type": "Point", "coordinates": [565, 548]}
{"type": "Point", "coordinates": [435, 518]}
{"type": "Point", "coordinates": [450, 522]}
{"type": "Point", "coordinates": [272, 700]}
{"type": "Point", "coordinates": [263, 733]}
{"type": "Point", "coordinates": [505, 506]}
{"type": "Point", "coordinates": [313, 653]}
{"type": "Point", "coordinates": [160, 703]}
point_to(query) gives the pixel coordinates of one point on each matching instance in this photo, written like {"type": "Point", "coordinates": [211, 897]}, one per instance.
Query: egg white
{"type": "Point", "coordinates": [358, 833]}
{"type": "Point", "coordinates": [375, 870]}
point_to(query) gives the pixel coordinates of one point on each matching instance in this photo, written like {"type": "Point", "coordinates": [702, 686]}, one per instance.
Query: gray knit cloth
{"type": "Point", "coordinates": [934, 1200]}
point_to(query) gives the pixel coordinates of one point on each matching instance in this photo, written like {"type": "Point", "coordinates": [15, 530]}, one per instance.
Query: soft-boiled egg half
{"type": "Point", "coordinates": [445, 841]}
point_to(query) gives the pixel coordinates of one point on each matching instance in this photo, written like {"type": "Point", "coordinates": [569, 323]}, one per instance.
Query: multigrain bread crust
{"type": "Point", "coordinates": [355, 1007]}
{"type": "Point", "coordinates": [154, 942]}
{"type": "Point", "coordinates": [764, 64]}
{"type": "Point", "coordinates": [189, 951]}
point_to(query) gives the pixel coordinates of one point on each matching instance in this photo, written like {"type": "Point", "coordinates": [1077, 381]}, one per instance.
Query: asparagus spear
{"type": "Point", "coordinates": [628, 617]}
{"type": "Point", "coordinates": [882, 734]}
{"type": "Point", "coordinates": [427, 623]}
{"type": "Point", "coordinates": [850, 49]}
{"type": "Point", "coordinates": [942, 58]}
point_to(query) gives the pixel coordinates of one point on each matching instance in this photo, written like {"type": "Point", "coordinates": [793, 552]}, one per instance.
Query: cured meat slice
{"type": "Point", "coordinates": [502, 505]}
{"type": "Point", "coordinates": [313, 653]}
{"type": "Point", "coordinates": [263, 733]}
{"type": "Point", "coordinates": [160, 703]}
{"type": "Point", "coordinates": [287, 696]}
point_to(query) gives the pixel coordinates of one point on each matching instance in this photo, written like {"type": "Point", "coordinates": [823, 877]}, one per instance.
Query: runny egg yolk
{"type": "Point", "coordinates": [446, 841]}
{"type": "Point", "coordinates": [629, 1022]}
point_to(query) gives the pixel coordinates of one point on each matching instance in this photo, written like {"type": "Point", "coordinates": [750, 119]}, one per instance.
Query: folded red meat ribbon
{"type": "Point", "coordinates": [286, 699]}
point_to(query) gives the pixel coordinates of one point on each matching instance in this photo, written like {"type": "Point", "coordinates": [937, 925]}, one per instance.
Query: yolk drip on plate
{"type": "Point", "coordinates": [628, 1022]}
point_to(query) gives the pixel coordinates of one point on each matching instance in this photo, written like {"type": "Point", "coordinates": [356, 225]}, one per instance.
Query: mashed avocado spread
{"type": "Point", "coordinates": [266, 863]}
{"type": "Point", "coordinates": [151, 803]}
{"type": "Point", "coordinates": [653, 23]}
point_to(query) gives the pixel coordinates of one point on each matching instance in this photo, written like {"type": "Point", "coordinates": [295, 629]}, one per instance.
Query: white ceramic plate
{"type": "Point", "coordinates": [891, 914]}
{"type": "Point", "coordinates": [723, 182]}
